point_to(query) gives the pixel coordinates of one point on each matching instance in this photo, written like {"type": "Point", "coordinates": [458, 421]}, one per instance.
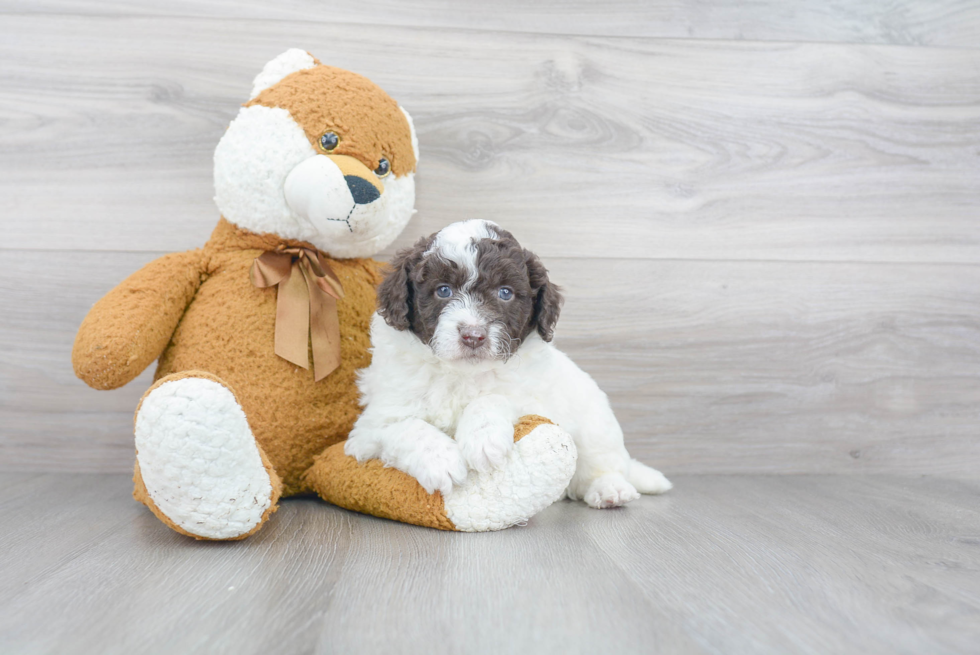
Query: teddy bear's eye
{"type": "Point", "coordinates": [383, 168]}
{"type": "Point", "coordinates": [329, 141]}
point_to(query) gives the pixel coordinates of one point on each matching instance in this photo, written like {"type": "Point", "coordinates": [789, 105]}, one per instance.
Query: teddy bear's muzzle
{"type": "Point", "coordinates": [328, 189]}
{"type": "Point", "coordinates": [362, 191]}
{"type": "Point", "coordinates": [364, 185]}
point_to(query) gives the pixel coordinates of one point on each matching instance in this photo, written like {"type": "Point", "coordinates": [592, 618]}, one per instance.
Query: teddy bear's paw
{"type": "Point", "coordinates": [535, 473]}
{"type": "Point", "coordinates": [485, 441]}
{"type": "Point", "coordinates": [199, 461]}
{"type": "Point", "coordinates": [610, 490]}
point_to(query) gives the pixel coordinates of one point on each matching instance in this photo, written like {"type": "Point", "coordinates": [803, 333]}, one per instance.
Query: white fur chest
{"type": "Point", "coordinates": [450, 392]}
{"type": "Point", "coordinates": [407, 380]}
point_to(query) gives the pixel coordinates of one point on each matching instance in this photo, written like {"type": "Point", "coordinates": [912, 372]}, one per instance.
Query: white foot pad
{"type": "Point", "coordinates": [610, 490]}
{"type": "Point", "coordinates": [536, 471]}
{"type": "Point", "coordinates": [199, 460]}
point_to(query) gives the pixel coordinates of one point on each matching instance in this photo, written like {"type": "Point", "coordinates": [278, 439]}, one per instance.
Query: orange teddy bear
{"type": "Point", "coordinates": [313, 177]}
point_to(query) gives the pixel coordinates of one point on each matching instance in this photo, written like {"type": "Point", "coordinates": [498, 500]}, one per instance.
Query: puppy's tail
{"type": "Point", "coordinates": [647, 480]}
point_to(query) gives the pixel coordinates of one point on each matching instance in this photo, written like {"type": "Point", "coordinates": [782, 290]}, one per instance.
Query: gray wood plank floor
{"type": "Point", "coordinates": [726, 564]}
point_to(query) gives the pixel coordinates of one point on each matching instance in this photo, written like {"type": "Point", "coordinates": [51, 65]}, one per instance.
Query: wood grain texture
{"type": "Point", "coordinates": [903, 22]}
{"type": "Point", "coordinates": [731, 564]}
{"type": "Point", "coordinates": [612, 147]}
{"type": "Point", "coordinates": [711, 366]}
{"type": "Point", "coordinates": [770, 249]}
{"type": "Point", "coordinates": [764, 216]}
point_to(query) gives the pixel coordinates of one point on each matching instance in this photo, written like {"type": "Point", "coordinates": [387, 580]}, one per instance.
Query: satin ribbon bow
{"type": "Point", "coordinates": [306, 306]}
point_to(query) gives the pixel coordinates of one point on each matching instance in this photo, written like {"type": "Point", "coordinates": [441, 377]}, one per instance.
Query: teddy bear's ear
{"type": "Point", "coordinates": [411, 127]}
{"type": "Point", "coordinates": [285, 64]}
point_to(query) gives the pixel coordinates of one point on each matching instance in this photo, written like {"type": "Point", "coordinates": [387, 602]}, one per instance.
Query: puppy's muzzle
{"type": "Point", "coordinates": [473, 337]}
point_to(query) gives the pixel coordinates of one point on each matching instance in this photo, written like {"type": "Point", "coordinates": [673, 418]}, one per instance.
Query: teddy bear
{"type": "Point", "coordinates": [259, 334]}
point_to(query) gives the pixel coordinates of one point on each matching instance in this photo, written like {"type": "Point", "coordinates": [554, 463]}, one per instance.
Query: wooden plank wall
{"type": "Point", "coordinates": [766, 216]}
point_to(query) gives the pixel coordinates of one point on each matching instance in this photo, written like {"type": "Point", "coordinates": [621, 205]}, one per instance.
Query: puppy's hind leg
{"type": "Point", "coordinates": [609, 490]}
{"type": "Point", "coordinates": [647, 480]}
{"type": "Point", "coordinates": [607, 476]}
{"type": "Point", "coordinates": [614, 489]}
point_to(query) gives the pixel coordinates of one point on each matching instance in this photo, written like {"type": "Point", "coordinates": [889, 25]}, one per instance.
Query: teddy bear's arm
{"type": "Point", "coordinates": [129, 327]}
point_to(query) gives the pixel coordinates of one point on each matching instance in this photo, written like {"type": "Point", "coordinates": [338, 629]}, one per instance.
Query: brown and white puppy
{"type": "Point", "coordinates": [462, 348]}
{"type": "Point", "coordinates": [477, 299]}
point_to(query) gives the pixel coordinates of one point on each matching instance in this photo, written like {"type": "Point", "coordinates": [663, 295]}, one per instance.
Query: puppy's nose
{"type": "Point", "coordinates": [361, 190]}
{"type": "Point", "coordinates": [473, 337]}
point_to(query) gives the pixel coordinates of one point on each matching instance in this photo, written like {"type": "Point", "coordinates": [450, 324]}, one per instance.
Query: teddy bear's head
{"type": "Point", "coordinates": [318, 154]}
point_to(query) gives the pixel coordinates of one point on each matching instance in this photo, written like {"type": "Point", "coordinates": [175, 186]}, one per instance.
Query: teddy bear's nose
{"type": "Point", "coordinates": [361, 190]}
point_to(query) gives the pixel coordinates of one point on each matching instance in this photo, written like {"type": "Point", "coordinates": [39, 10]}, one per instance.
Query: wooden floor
{"type": "Point", "coordinates": [724, 564]}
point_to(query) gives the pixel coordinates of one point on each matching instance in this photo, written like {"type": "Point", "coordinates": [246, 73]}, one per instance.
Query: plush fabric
{"type": "Point", "coordinates": [229, 426]}
{"type": "Point", "coordinates": [207, 472]}
{"type": "Point", "coordinates": [368, 121]}
{"type": "Point", "coordinates": [229, 331]}
{"type": "Point", "coordinates": [141, 494]}
{"type": "Point", "coordinates": [387, 492]}
{"type": "Point", "coordinates": [129, 327]}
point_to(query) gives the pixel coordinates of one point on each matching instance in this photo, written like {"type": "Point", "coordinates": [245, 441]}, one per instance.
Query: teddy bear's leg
{"type": "Point", "coordinates": [198, 467]}
{"type": "Point", "coordinates": [536, 473]}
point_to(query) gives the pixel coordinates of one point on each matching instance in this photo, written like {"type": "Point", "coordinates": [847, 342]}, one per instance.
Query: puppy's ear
{"type": "Point", "coordinates": [547, 297]}
{"type": "Point", "coordinates": [396, 292]}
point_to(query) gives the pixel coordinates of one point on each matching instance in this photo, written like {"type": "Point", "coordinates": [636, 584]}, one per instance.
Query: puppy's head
{"type": "Point", "coordinates": [470, 292]}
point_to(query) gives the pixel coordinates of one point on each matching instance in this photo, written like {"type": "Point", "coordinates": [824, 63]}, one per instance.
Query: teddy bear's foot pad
{"type": "Point", "coordinates": [535, 475]}
{"type": "Point", "coordinates": [198, 460]}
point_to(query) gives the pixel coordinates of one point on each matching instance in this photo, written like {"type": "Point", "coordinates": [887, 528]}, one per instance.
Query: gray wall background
{"type": "Point", "coordinates": [766, 218]}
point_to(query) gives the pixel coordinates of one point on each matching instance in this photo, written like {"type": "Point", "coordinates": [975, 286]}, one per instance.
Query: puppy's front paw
{"type": "Point", "coordinates": [610, 490]}
{"type": "Point", "coordinates": [438, 467]}
{"type": "Point", "coordinates": [362, 448]}
{"type": "Point", "coordinates": [485, 442]}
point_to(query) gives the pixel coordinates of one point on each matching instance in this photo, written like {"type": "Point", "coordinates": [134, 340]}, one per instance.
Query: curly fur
{"type": "Point", "coordinates": [436, 405]}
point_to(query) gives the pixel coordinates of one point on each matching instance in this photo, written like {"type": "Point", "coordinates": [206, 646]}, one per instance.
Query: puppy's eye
{"type": "Point", "coordinates": [383, 168]}
{"type": "Point", "coordinates": [505, 293]}
{"type": "Point", "coordinates": [329, 141]}
{"type": "Point", "coordinates": [444, 291]}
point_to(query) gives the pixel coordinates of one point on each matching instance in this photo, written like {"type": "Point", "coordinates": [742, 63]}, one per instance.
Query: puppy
{"type": "Point", "coordinates": [462, 350]}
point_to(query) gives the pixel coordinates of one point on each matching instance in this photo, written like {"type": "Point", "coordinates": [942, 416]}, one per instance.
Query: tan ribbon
{"type": "Point", "coordinates": [306, 307]}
